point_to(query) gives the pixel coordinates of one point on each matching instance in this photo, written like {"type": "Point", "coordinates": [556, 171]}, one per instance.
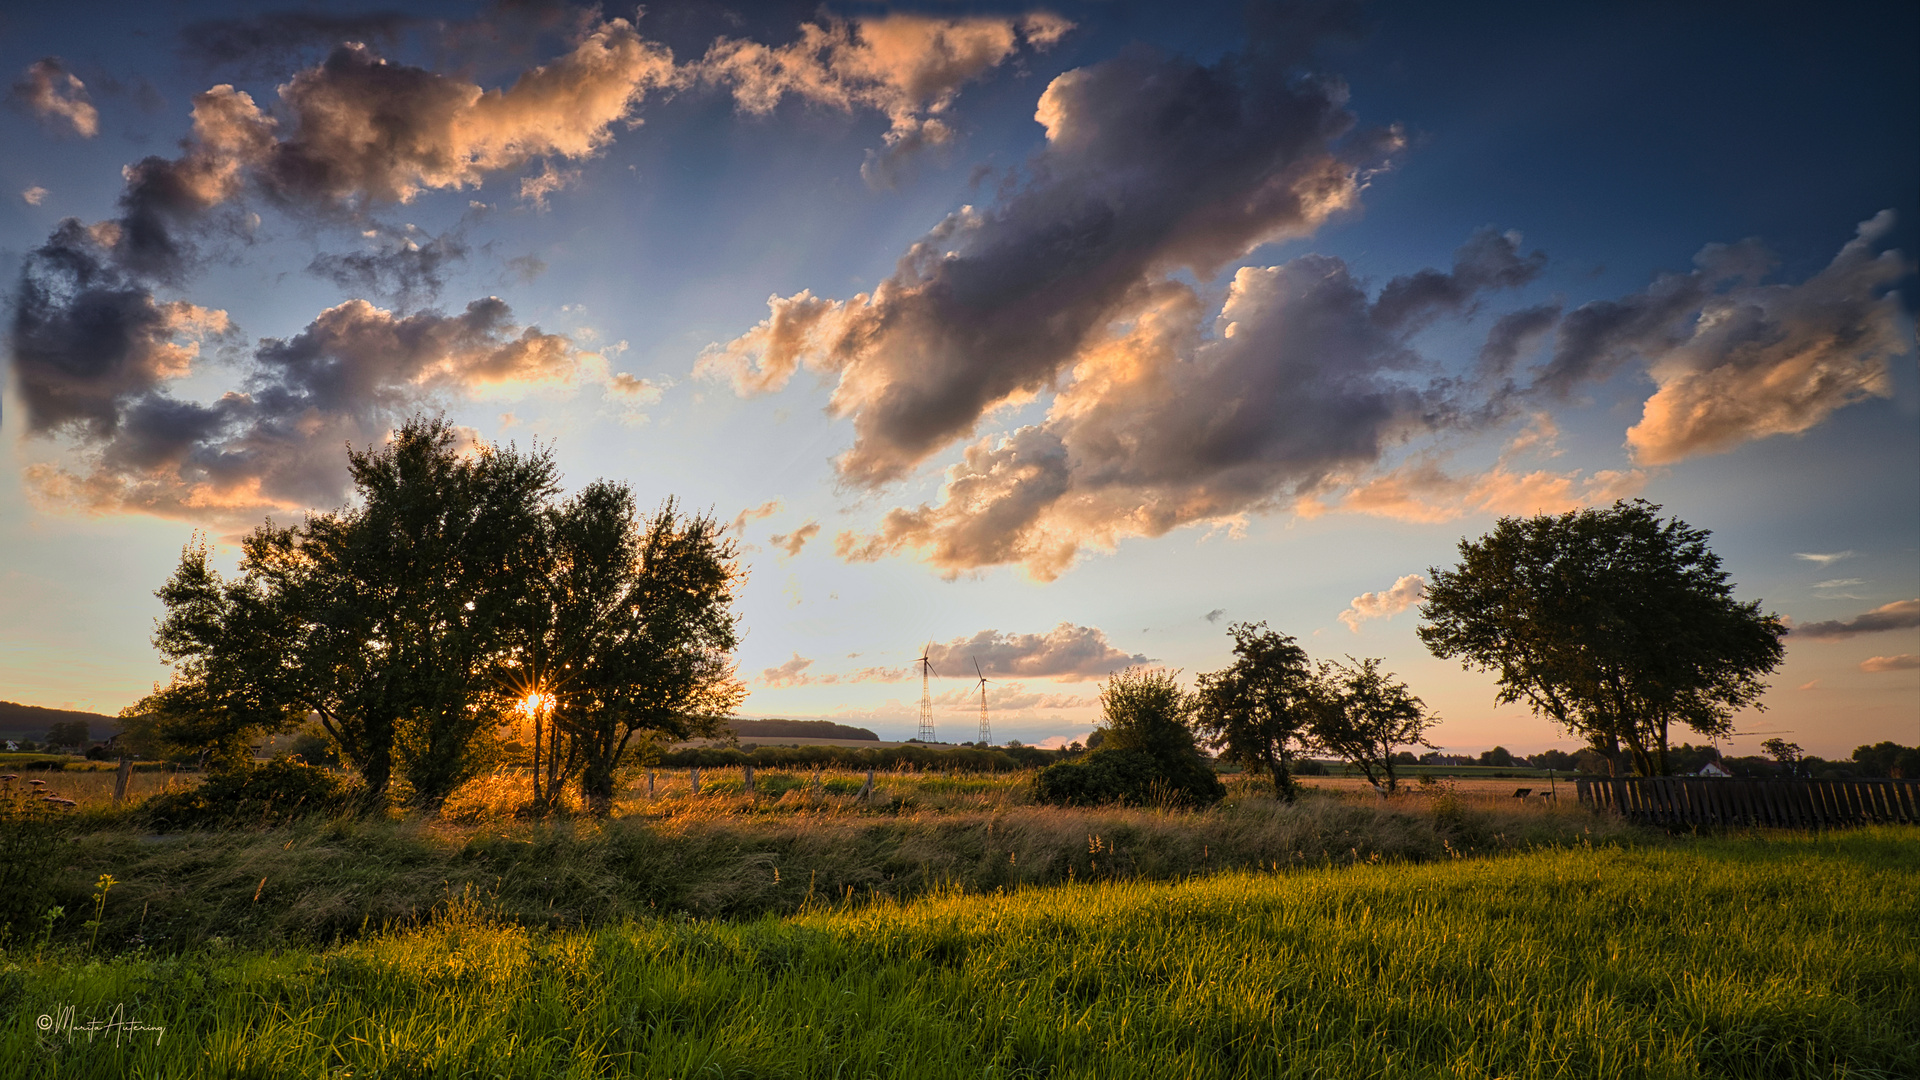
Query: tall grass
{"type": "Point", "coordinates": [1746, 957]}
{"type": "Point", "coordinates": [726, 854]}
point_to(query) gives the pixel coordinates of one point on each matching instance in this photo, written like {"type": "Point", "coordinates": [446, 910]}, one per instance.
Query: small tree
{"type": "Point", "coordinates": [1364, 714]}
{"type": "Point", "coordinates": [1256, 711]}
{"type": "Point", "coordinates": [1612, 623]}
{"type": "Point", "coordinates": [1786, 754]}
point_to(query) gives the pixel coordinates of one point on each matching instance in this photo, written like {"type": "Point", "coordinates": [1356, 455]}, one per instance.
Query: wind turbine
{"type": "Point", "coordinates": [986, 733]}
{"type": "Point", "coordinates": [926, 695]}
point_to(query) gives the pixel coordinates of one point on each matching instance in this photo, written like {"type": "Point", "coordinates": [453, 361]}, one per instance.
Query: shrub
{"type": "Point", "coordinates": [269, 794]}
{"type": "Point", "coordinates": [1147, 752]}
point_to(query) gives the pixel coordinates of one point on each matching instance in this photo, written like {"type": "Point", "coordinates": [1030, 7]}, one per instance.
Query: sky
{"type": "Point", "coordinates": [1060, 337]}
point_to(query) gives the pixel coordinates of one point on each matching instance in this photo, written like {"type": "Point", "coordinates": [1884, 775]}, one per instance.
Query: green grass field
{"type": "Point", "coordinates": [1758, 956]}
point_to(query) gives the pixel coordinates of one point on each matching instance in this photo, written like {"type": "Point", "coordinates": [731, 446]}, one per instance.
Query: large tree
{"type": "Point", "coordinates": [1611, 622]}
{"type": "Point", "coordinates": [1257, 710]}
{"type": "Point", "coordinates": [631, 635]}
{"type": "Point", "coordinates": [1364, 714]}
{"type": "Point", "coordinates": [390, 620]}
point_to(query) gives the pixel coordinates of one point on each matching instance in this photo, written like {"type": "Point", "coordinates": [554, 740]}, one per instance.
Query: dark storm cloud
{"type": "Point", "coordinates": [1152, 164]}
{"type": "Point", "coordinates": [1899, 615]}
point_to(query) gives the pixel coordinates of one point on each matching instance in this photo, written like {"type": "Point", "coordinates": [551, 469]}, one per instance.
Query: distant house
{"type": "Point", "coordinates": [1714, 768]}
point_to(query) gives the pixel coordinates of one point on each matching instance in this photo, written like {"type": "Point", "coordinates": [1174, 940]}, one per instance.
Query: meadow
{"type": "Point", "coordinates": [721, 853]}
{"type": "Point", "coordinates": [1746, 956]}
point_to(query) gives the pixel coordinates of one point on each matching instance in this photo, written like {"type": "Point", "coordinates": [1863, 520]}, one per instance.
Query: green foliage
{"type": "Point", "coordinates": [1147, 753]}
{"type": "Point", "coordinates": [1363, 714]}
{"type": "Point", "coordinates": [29, 841]}
{"type": "Point", "coordinates": [267, 794]}
{"type": "Point", "coordinates": [1612, 623]}
{"type": "Point", "coordinates": [1256, 712]}
{"type": "Point", "coordinates": [1780, 957]}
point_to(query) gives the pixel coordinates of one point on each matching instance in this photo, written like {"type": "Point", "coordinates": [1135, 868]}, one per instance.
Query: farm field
{"type": "Point", "coordinates": [1775, 956]}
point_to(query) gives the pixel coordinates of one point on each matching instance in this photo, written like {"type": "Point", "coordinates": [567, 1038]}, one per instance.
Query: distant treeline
{"type": "Point", "coordinates": [965, 759]}
{"type": "Point", "coordinates": [798, 729]}
{"type": "Point", "coordinates": [19, 721]}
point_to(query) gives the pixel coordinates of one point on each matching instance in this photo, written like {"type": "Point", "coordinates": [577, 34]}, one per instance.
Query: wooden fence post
{"type": "Point", "coordinates": [746, 772]}
{"type": "Point", "coordinates": [694, 775]}
{"type": "Point", "coordinates": [866, 791]}
{"type": "Point", "coordinates": [649, 783]}
{"type": "Point", "coordinates": [120, 781]}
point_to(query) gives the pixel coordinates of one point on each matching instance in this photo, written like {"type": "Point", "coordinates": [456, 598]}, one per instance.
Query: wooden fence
{"type": "Point", "coordinates": [1704, 800]}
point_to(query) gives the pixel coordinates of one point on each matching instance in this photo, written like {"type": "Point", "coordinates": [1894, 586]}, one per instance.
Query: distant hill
{"type": "Point", "coordinates": [798, 729]}
{"type": "Point", "coordinates": [31, 721]}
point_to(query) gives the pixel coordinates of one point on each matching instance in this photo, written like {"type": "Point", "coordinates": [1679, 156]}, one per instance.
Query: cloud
{"type": "Point", "coordinates": [1899, 615]}
{"type": "Point", "coordinates": [1823, 558]}
{"type": "Point", "coordinates": [1839, 583]}
{"type": "Point", "coordinates": [1902, 662]}
{"type": "Point", "coordinates": [1151, 165]}
{"type": "Point", "coordinates": [357, 131]}
{"type": "Point", "coordinates": [1424, 491]}
{"type": "Point", "coordinates": [1067, 653]}
{"type": "Point", "coordinates": [754, 513]}
{"type": "Point", "coordinates": [1214, 615]}
{"type": "Point", "coordinates": [402, 269]}
{"type": "Point", "coordinates": [908, 66]}
{"type": "Point", "coordinates": [1406, 592]}
{"type": "Point", "coordinates": [34, 195]}
{"type": "Point", "coordinates": [273, 445]}
{"type": "Point", "coordinates": [791, 543]}
{"type": "Point", "coordinates": [794, 673]}
{"type": "Point", "coordinates": [1011, 697]}
{"type": "Point", "coordinates": [362, 130]}
{"type": "Point", "coordinates": [85, 337]}
{"type": "Point", "coordinates": [54, 94]}
{"type": "Point", "coordinates": [1302, 385]}
{"type": "Point", "coordinates": [790, 673]}
{"type": "Point", "coordinates": [1779, 359]}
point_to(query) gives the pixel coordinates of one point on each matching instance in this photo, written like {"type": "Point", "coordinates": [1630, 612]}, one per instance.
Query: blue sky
{"type": "Point", "coordinates": [1061, 336]}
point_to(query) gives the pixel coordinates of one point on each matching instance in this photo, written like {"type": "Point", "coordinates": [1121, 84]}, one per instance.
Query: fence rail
{"type": "Point", "coordinates": [1704, 800]}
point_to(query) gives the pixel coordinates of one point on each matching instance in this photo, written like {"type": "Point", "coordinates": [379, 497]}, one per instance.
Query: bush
{"type": "Point", "coordinates": [269, 794]}
{"type": "Point", "coordinates": [1129, 778]}
{"type": "Point", "coordinates": [1147, 753]}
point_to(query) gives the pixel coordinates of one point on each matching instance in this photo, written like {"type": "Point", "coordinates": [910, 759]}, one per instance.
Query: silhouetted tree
{"type": "Point", "coordinates": [1363, 714]}
{"type": "Point", "coordinates": [1256, 711]}
{"type": "Point", "coordinates": [68, 733]}
{"type": "Point", "coordinates": [1612, 623]}
{"type": "Point", "coordinates": [631, 634]}
{"type": "Point", "coordinates": [410, 621]}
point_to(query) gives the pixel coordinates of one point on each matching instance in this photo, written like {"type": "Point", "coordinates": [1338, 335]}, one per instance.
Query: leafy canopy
{"type": "Point", "coordinates": [1257, 710]}
{"type": "Point", "coordinates": [1611, 622]}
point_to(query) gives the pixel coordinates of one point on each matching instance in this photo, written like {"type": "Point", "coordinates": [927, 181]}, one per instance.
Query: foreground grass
{"type": "Point", "coordinates": [1762, 957]}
